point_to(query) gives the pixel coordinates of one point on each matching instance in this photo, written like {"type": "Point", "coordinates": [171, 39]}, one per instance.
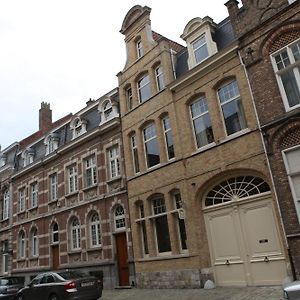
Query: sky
{"type": "Point", "coordinates": [66, 51]}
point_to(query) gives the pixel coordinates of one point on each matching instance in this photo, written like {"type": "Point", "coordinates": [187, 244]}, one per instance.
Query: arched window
{"type": "Point", "coordinates": [119, 218]}
{"type": "Point", "coordinates": [107, 110]}
{"type": "Point", "coordinates": [51, 142]}
{"type": "Point", "coordinates": [236, 188]}
{"type": "Point", "coordinates": [55, 234]}
{"type": "Point", "coordinates": [22, 244]}
{"type": "Point", "coordinates": [144, 88]}
{"type": "Point", "coordinates": [151, 145]}
{"type": "Point", "coordinates": [34, 242]}
{"type": "Point", "coordinates": [95, 230]}
{"type": "Point", "coordinates": [78, 127]}
{"type": "Point", "coordinates": [5, 208]}
{"type": "Point", "coordinates": [75, 234]}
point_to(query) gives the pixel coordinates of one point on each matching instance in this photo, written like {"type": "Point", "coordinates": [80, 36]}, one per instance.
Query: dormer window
{"type": "Point", "coordinates": [51, 142]}
{"type": "Point", "coordinates": [198, 34]}
{"type": "Point", "coordinates": [28, 156]}
{"type": "Point", "coordinates": [139, 48]}
{"type": "Point", "coordinates": [200, 49]}
{"type": "Point", "coordinates": [108, 110]}
{"type": "Point", "coordinates": [78, 127]}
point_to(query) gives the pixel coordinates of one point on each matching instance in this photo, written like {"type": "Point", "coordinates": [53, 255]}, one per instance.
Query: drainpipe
{"type": "Point", "coordinates": [269, 167]}
{"type": "Point", "coordinates": [173, 52]}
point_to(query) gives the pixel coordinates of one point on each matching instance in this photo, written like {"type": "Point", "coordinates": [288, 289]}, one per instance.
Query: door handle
{"type": "Point", "coordinates": [266, 259]}
{"type": "Point", "coordinates": [227, 262]}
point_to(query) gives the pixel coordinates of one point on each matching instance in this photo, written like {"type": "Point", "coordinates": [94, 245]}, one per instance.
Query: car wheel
{"type": "Point", "coordinates": [53, 297]}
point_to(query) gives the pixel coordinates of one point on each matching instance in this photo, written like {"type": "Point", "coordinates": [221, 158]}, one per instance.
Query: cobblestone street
{"type": "Point", "coordinates": [246, 293]}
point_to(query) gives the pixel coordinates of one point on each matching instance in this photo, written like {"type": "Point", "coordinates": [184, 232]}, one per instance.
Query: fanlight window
{"type": "Point", "coordinates": [236, 188]}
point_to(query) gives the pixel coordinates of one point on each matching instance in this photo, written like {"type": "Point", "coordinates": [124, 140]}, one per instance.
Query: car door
{"type": "Point", "coordinates": [34, 289]}
{"type": "Point", "coordinates": [46, 286]}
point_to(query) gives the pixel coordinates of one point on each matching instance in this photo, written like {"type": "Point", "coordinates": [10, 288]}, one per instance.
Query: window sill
{"type": "Point", "coordinates": [235, 135]}
{"type": "Point", "coordinates": [114, 179]}
{"type": "Point", "coordinates": [71, 194]}
{"type": "Point", "coordinates": [22, 212]}
{"type": "Point", "coordinates": [77, 251]}
{"type": "Point", "coordinates": [205, 148]}
{"type": "Point", "coordinates": [33, 208]}
{"type": "Point", "coordinates": [53, 201]}
{"type": "Point", "coordinates": [87, 188]}
{"type": "Point", "coordinates": [95, 248]}
{"type": "Point", "coordinates": [164, 257]}
{"type": "Point", "coordinates": [34, 258]}
{"type": "Point", "coordinates": [4, 220]}
{"type": "Point", "coordinates": [21, 259]}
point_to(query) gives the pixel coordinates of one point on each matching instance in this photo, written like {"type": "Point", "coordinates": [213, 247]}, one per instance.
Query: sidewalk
{"type": "Point", "coordinates": [222, 293]}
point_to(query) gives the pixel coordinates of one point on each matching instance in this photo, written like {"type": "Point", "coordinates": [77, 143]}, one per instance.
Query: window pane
{"type": "Point", "coordinates": [203, 130]}
{"type": "Point", "coordinates": [144, 88]}
{"type": "Point", "coordinates": [291, 88]}
{"type": "Point", "coordinates": [296, 51]}
{"type": "Point", "coordinates": [182, 232]}
{"type": "Point", "coordinates": [152, 153]}
{"type": "Point", "coordinates": [162, 234]}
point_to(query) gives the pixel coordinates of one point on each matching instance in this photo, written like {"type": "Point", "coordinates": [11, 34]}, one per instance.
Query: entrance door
{"type": "Point", "coordinates": [55, 257]}
{"type": "Point", "coordinates": [122, 259]}
{"type": "Point", "coordinates": [244, 244]}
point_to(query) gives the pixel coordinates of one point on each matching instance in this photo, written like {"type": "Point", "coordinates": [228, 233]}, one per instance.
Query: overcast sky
{"type": "Point", "coordinates": [67, 51]}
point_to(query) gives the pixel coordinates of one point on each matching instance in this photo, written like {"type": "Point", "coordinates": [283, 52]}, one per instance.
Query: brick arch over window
{"type": "Point", "coordinates": [286, 136]}
{"type": "Point", "coordinates": [279, 38]}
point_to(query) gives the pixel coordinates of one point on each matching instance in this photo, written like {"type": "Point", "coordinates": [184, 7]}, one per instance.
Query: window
{"type": "Point", "coordinates": [90, 171]}
{"type": "Point", "coordinates": [159, 75]}
{"type": "Point", "coordinates": [107, 110]}
{"type": "Point", "coordinates": [161, 226]}
{"type": "Point", "coordinates": [5, 257]}
{"type": "Point", "coordinates": [114, 162]}
{"type": "Point", "coordinates": [78, 127]}
{"type": "Point", "coordinates": [139, 48]}
{"type": "Point", "coordinates": [135, 154]}
{"type": "Point", "coordinates": [34, 243]}
{"type": "Point", "coordinates": [180, 221]}
{"type": "Point", "coordinates": [95, 230]}
{"type": "Point", "coordinates": [75, 234]}
{"type": "Point", "coordinates": [232, 108]}
{"type": "Point", "coordinates": [51, 143]}
{"type": "Point", "coordinates": [286, 66]}
{"type": "Point", "coordinates": [119, 218]}
{"type": "Point", "coordinates": [72, 179]}
{"type": "Point", "coordinates": [144, 88]}
{"type": "Point", "coordinates": [34, 194]}
{"type": "Point", "coordinates": [168, 137]}
{"type": "Point", "coordinates": [129, 98]}
{"type": "Point", "coordinates": [3, 160]}
{"type": "Point", "coordinates": [292, 165]}
{"type": "Point", "coordinates": [201, 122]}
{"type": "Point", "coordinates": [5, 209]}
{"type": "Point", "coordinates": [22, 199]}
{"type": "Point", "coordinates": [53, 188]}
{"type": "Point", "coordinates": [151, 146]}
{"type": "Point", "coordinates": [22, 244]}
{"type": "Point", "coordinates": [200, 49]}
{"type": "Point", "coordinates": [55, 234]}
{"type": "Point", "coordinates": [142, 224]}
{"type": "Point", "coordinates": [28, 156]}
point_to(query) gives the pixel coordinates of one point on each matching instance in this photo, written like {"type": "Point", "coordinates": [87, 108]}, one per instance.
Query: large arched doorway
{"type": "Point", "coordinates": [243, 233]}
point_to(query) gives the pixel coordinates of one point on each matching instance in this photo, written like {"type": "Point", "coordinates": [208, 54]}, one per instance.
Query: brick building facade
{"type": "Point", "coordinates": [269, 43]}
{"type": "Point", "coordinates": [195, 161]}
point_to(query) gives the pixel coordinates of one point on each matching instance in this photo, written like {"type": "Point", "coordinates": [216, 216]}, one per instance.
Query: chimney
{"type": "Point", "coordinates": [45, 117]}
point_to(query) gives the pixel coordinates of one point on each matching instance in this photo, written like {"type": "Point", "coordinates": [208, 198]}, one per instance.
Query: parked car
{"type": "Point", "coordinates": [9, 287]}
{"type": "Point", "coordinates": [62, 285]}
{"type": "Point", "coordinates": [291, 291]}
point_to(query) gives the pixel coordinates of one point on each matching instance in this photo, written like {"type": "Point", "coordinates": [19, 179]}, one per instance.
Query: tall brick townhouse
{"type": "Point", "coordinates": [269, 43]}
{"type": "Point", "coordinates": [68, 197]}
{"type": "Point", "coordinates": [201, 200]}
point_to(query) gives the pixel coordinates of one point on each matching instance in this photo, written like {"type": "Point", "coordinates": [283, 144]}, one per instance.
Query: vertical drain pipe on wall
{"type": "Point", "coordinates": [269, 167]}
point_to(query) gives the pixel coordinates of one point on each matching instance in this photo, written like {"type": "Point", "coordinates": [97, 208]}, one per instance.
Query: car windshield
{"type": "Point", "coordinates": [10, 281]}
{"type": "Point", "coordinates": [71, 275]}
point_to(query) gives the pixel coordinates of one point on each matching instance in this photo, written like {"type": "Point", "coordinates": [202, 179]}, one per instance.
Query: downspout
{"type": "Point", "coordinates": [173, 52]}
{"type": "Point", "coordinates": [270, 170]}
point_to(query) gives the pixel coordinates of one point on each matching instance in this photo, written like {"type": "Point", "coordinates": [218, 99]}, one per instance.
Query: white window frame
{"type": "Point", "coordinates": [54, 233]}
{"type": "Point", "coordinates": [90, 170]}
{"type": "Point", "coordinates": [72, 179]}
{"type": "Point", "coordinates": [78, 127]}
{"type": "Point", "coordinates": [107, 110]}
{"type": "Point", "coordinates": [95, 231]}
{"type": "Point", "coordinates": [135, 154]}
{"type": "Point", "coordinates": [159, 76]}
{"type": "Point", "coordinates": [139, 48]}
{"type": "Point", "coordinates": [236, 97]}
{"type": "Point", "coordinates": [142, 85]}
{"type": "Point", "coordinates": [119, 218]}
{"type": "Point", "coordinates": [34, 192]}
{"type": "Point", "coordinates": [22, 244]}
{"type": "Point", "coordinates": [290, 176]}
{"type": "Point", "coordinates": [22, 199]}
{"type": "Point", "coordinates": [6, 200]}
{"type": "Point", "coordinates": [199, 47]}
{"type": "Point", "coordinates": [3, 160]}
{"type": "Point", "coordinates": [34, 243]}
{"type": "Point", "coordinates": [168, 131]}
{"type": "Point", "coordinates": [114, 161]}
{"type": "Point", "coordinates": [149, 139]}
{"type": "Point", "coordinates": [75, 234]}
{"type": "Point", "coordinates": [129, 98]}
{"type": "Point", "coordinates": [293, 66]}
{"type": "Point", "coordinates": [53, 187]}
